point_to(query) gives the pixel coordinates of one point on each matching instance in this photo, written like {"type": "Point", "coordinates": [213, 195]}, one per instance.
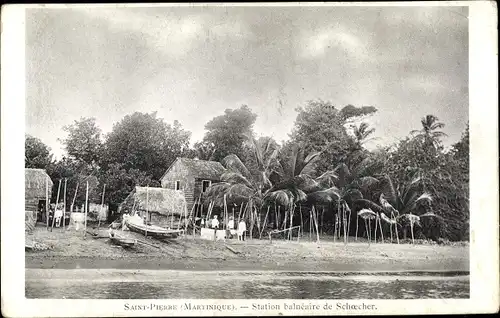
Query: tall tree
{"type": "Point", "coordinates": [320, 126]}
{"type": "Point", "coordinates": [362, 133]}
{"type": "Point", "coordinates": [146, 143]}
{"type": "Point", "coordinates": [430, 134]}
{"type": "Point", "coordinates": [226, 133]}
{"type": "Point", "coordinates": [36, 153]}
{"type": "Point", "coordinates": [83, 141]}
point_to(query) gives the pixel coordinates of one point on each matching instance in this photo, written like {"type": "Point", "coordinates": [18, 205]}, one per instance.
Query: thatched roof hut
{"type": "Point", "coordinates": [159, 200]}
{"type": "Point", "coordinates": [35, 183]}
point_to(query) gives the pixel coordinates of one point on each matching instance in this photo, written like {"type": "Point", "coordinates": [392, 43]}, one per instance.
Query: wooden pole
{"type": "Point", "coordinates": [315, 215]}
{"type": "Point", "coordinates": [411, 228]}
{"type": "Point", "coordinates": [265, 221]}
{"type": "Point", "coordinates": [64, 199]}
{"type": "Point", "coordinates": [74, 198]}
{"type": "Point", "coordinates": [47, 203]}
{"type": "Point", "coordinates": [395, 226]}
{"type": "Point", "coordinates": [335, 218]}
{"type": "Point", "coordinates": [357, 224]}
{"type": "Point", "coordinates": [322, 219]}
{"type": "Point", "coordinates": [86, 208]}
{"type": "Point", "coordinates": [381, 231]}
{"type": "Point", "coordinates": [102, 205]}
{"type": "Point", "coordinates": [57, 202]}
{"type": "Point", "coordinates": [147, 203]}
{"type": "Point", "coordinates": [310, 225]}
{"type": "Point", "coordinates": [301, 219]}
{"type": "Point", "coordinates": [376, 227]}
{"type": "Point", "coordinates": [390, 230]}
{"type": "Point", "coordinates": [285, 219]}
{"type": "Point", "coordinates": [366, 231]}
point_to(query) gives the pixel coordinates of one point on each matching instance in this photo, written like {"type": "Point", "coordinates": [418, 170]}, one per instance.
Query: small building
{"type": "Point", "coordinates": [37, 187]}
{"type": "Point", "coordinates": [192, 176]}
{"type": "Point", "coordinates": [161, 207]}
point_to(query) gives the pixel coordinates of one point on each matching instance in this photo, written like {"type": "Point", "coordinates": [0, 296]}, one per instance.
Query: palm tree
{"type": "Point", "coordinates": [347, 189]}
{"type": "Point", "coordinates": [362, 132]}
{"type": "Point", "coordinates": [294, 172]}
{"type": "Point", "coordinates": [402, 202]}
{"type": "Point", "coordinates": [429, 134]}
{"type": "Point", "coordinates": [239, 184]}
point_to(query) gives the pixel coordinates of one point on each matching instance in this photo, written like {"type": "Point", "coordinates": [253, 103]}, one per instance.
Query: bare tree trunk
{"type": "Point", "coordinates": [376, 228]}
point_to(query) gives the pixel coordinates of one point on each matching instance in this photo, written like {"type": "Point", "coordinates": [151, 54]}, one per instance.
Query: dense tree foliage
{"type": "Point", "coordinates": [227, 133]}
{"type": "Point", "coordinates": [324, 163]}
{"type": "Point", "coordinates": [36, 153]}
{"type": "Point", "coordinates": [83, 142]}
{"type": "Point", "coordinates": [145, 143]}
{"type": "Point", "coordinates": [320, 126]}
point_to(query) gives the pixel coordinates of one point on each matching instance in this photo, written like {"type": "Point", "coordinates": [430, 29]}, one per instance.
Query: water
{"type": "Point", "coordinates": [248, 285]}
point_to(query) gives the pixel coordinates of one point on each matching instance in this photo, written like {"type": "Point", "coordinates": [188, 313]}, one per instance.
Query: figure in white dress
{"type": "Point", "coordinates": [215, 222]}
{"type": "Point", "coordinates": [58, 215]}
{"type": "Point", "coordinates": [242, 229]}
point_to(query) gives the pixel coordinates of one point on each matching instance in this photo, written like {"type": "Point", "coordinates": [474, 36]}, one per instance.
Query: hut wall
{"type": "Point", "coordinates": [187, 183]}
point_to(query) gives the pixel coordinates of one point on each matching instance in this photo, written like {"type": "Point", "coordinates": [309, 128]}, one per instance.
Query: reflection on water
{"type": "Point", "coordinates": [267, 286]}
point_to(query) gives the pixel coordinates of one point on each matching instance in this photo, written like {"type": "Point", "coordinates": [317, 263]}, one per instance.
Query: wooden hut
{"type": "Point", "coordinates": [192, 177]}
{"type": "Point", "coordinates": [37, 187]}
{"type": "Point", "coordinates": [162, 207]}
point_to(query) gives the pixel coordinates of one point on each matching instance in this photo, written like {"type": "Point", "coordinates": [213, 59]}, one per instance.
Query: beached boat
{"type": "Point", "coordinates": [122, 241]}
{"type": "Point", "coordinates": [152, 230]}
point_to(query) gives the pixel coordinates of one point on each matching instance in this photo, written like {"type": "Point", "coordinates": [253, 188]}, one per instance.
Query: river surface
{"type": "Point", "coordinates": [123, 284]}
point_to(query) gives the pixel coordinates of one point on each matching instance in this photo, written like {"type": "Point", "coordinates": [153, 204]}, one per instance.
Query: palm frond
{"type": "Point", "coordinates": [235, 177]}
{"type": "Point", "coordinates": [424, 197]}
{"type": "Point", "coordinates": [367, 214]}
{"type": "Point", "coordinates": [343, 174]}
{"type": "Point", "coordinates": [431, 214]}
{"type": "Point", "coordinates": [386, 219]}
{"type": "Point", "coordinates": [366, 204]}
{"type": "Point", "coordinates": [326, 196]}
{"type": "Point", "coordinates": [390, 193]}
{"type": "Point", "coordinates": [233, 163]}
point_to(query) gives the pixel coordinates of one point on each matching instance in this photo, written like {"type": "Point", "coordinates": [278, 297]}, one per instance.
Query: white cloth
{"type": "Point", "coordinates": [230, 224]}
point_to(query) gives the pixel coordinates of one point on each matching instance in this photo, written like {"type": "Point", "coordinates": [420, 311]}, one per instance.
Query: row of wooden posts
{"type": "Point", "coordinates": [314, 225]}
{"type": "Point", "coordinates": [47, 204]}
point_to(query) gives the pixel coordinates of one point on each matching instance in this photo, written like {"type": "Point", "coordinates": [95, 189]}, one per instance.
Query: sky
{"type": "Point", "coordinates": [191, 63]}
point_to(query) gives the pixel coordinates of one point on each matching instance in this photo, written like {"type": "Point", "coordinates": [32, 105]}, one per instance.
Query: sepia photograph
{"type": "Point", "coordinates": [259, 152]}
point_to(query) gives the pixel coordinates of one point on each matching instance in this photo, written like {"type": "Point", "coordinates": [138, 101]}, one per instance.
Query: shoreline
{"type": "Point", "coordinates": [322, 265]}
{"type": "Point", "coordinates": [69, 250]}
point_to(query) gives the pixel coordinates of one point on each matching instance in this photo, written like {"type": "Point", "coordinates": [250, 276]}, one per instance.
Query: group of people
{"type": "Point", "coordinates": [55, 212]}
{"type": "Point", "coordinates": [215, 224]}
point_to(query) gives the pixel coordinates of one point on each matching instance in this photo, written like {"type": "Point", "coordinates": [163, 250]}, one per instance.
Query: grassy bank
{"type": "Point", "coordinates": [70, 250]}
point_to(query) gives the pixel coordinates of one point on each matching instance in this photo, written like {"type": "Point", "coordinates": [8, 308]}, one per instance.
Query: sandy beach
{"type": "Point", "coordinates": [70, 250]}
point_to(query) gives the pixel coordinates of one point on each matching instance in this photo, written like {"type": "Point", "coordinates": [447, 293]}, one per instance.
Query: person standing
{"type": "Point", "coordinates": [242, 229]}
{"type": "Point", "coordinates": [215, 223]}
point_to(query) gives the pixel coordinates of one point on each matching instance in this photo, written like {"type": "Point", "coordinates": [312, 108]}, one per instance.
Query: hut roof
{"type": "Point", "coordinates": [36, 179]}
{"type": "Point", "coordinates": [200, 168]}
{"type": "Point", "coordinates": [160, 200]}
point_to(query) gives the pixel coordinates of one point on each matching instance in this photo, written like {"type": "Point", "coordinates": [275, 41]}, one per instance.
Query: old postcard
{"type": "Point", "coordinates": [249, 159]}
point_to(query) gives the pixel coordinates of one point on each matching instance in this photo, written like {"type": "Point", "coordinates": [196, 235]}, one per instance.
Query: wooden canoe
{"type": "Point", "coordinates": [151, 230]}
{"type": "Point", "coordinates": [122, 241]}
